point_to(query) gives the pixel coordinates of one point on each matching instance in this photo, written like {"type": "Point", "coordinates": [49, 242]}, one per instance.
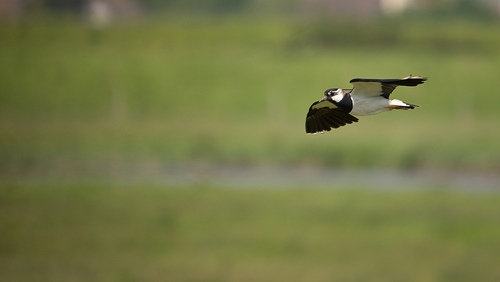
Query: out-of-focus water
{"type": "Point", "coordinates": [261, 176]}
{"type": "Point", "coordinates": [324, 177]}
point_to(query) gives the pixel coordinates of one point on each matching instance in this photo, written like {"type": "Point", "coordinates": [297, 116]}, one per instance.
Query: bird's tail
{"type": "Point", "coordinates": [400, 105]}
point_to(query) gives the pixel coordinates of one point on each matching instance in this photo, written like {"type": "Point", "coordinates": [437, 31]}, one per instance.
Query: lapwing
{"type": "Point", "coordinates": [368, 96]}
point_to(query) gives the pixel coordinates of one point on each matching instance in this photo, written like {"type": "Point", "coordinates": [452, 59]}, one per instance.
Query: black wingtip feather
{"type": "Point", "coordinates": [405, 81]}
{"type": "Point", "coordinates": [324, 119]}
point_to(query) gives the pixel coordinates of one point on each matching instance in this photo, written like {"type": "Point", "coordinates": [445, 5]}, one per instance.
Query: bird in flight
{"type": "Point", "coordinates": [368, 96]}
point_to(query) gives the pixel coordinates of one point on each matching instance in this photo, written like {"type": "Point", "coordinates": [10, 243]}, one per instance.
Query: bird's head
{"type": "Point", "coordinates": [334, 94]}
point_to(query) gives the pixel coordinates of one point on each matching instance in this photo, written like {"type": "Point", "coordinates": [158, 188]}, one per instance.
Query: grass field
{"type": "Point", "coordinates": [89, 119]}
{"type": "Point", "coordinates": [151, 233]}
{"type": "Point", "coordinates": [238, 89]}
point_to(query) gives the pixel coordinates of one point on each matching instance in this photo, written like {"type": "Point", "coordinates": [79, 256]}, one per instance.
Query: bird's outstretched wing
{"type": "Point", "coordinates": [324, 115]}
{"type": "Point", "coordinates": [382, 87]}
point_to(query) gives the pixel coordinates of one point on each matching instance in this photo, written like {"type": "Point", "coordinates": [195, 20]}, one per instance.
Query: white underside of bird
{"type": "Point", "coordinates": [375, 105]}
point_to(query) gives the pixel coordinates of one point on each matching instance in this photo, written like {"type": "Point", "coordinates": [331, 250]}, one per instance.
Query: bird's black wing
{"type": "Point", "coordinates": [382, 87]}
{"type": "Point", "coordinates": [324, 115]}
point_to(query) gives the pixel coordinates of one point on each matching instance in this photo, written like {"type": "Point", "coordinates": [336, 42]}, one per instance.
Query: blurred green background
{"type": "Point", "coordinates": [164, 140]}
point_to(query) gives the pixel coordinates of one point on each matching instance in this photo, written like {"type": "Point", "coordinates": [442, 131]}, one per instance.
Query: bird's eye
{"type": "Point", "coordinates": [331, 92]}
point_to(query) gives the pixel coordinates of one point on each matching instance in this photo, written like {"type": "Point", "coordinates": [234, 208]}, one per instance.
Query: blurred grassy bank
{"type": "Point", "coordinates": [236, 89]}
{"type": "Point", "coordinates": [150, 233]}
